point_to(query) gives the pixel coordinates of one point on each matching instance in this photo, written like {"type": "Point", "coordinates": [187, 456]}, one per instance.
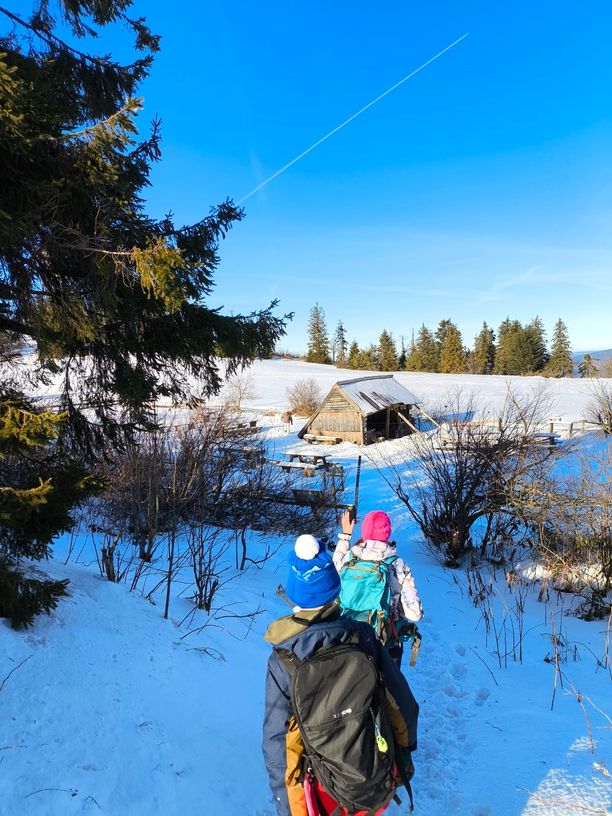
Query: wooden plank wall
{"type": "Point", "coordinates": [337, 417]}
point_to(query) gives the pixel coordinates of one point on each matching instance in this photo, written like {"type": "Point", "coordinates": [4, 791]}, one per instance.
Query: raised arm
{"type": "Point", "coordinates": [342, 553]}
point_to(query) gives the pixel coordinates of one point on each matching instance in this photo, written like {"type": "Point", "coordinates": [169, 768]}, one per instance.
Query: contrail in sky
{"type": "Point", "coordinates": [350, 119]}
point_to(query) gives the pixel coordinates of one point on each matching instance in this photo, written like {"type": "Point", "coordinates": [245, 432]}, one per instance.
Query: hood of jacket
{"type": "Point", "coordinates": [296, 634]}
{"type": "Point", "coordinates": [289, 626]}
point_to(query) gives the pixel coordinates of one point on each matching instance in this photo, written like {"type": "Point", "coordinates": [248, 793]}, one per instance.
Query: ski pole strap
{"type": "Point", "coordinates": [409, 791]}
{"type": "Point", "coordinates": [281, 593]}
{"type": "Point", "coordinates": [403, 775]}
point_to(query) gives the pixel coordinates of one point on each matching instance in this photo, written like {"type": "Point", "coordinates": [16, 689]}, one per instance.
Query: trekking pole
{"type": "Point", "coordinates": [353, 510]}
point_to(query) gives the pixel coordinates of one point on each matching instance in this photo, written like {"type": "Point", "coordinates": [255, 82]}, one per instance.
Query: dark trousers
{"type": "Point", "coordinates": [396, 652]}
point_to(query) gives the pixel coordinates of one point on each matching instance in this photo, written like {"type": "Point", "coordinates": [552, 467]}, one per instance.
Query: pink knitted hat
{"type": "Point", "coordinates": [376, 526]}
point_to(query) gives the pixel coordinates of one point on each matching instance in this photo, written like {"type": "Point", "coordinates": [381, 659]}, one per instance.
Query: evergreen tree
{"type": "Point", "coordinates": [401, 360]}
{"type": "Point", "coordinates": [39, 486]}
{"type": "Point", "coordinates": [411, 355]}
{"type": "Point", "coordinates": [520, 351]}
{"type": "Point", "coordinates": [424, 355]}
{"type": "Point", "coordinates": [452, 356]}
{"type": "Point", "coordinates": [536, 335]}
{"type": "Point", "coordinates": [587, 368]}
{"type": "Point", "coordinates": [387, 353]}
{"type": "Point", "coordinates": [560, 363]}
{"type": "Point", "coordinates": [441, 331]}
{"type": "Point", "coordinates": [367, 359]}
{"type": "Point", "coordinates": [504, 352]}
{"type": "Point", "coordinates": [353, 355]}
{"type": "Point", "coordinates": [483, 358]}
{"type": "Point", "coordinates": [318, 339]}
{"type": "Point", "coordinates": [340, 345]}
{"type": "Point", "coordinates": [113, 299]}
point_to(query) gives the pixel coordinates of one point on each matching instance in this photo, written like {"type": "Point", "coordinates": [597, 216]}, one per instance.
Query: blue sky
{"type": "Point", "coordinates": [479, 189]}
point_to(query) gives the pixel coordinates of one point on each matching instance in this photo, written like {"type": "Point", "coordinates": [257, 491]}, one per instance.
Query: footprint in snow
{"type": "Point", "coordinates": [454, 692]}
{"type": "Point", "coordinates": [460, 649]}
{"type": "Point", "coordinates": [459, 671]}
{"type": "Point", "coordinates": [482, 696]}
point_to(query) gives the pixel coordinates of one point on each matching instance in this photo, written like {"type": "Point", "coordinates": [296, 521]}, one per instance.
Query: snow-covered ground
{"type": "Point", "coordinates": [271, 378]}
{"type": "Point", "coordinates": [116, 711]}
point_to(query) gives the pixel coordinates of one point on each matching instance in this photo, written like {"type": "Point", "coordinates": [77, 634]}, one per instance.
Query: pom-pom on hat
{"type": "Point", "coordinates": [313, 579]}
{"type": "Point", "coordinates": [306, 547]}
{"type": "Point", "coordinates": [376, 526]}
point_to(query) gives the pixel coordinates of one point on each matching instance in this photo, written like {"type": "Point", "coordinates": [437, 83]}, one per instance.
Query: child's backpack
{"type": "Point", "coordinates": [338, 700]}
{"type": "Point", "coordinates": [365, 592]}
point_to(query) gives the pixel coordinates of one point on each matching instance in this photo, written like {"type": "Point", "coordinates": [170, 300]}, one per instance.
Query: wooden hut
{"type": "Point", "coordinates": [364, 410]}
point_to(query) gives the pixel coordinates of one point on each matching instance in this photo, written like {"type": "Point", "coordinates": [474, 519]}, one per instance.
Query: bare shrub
{"type": "Point", "coordinates": [503, 613]}
{"type": "Point", "coordinates": [599, 408]}
{"type": "Point", "coordinates": [304, 396]}
{"type": "Point", "coordinates": [134, 501]}
{"type": "Point", "coordinates": [182, 496]}
{"type": "Point", "coordinates": [569, 525]}
{"type": "Point", "coordinates": [468, 473]}
{"type": "Point", "coordinates": [238, 390]}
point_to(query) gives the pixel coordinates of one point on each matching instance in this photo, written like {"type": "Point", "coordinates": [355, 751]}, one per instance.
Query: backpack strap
{"type": "Point", "coordinates": [288, 659]}
{"type": "Point", "coordinates": [308, 621]}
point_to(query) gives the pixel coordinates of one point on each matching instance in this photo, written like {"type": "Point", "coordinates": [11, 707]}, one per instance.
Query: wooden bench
{"type": "Point", "coordinates": [307, 468]}
{"type": "Point", "coordinates": [243, 428]}
{"type": "Point", "coordinates": [548, 440]}
{"type": "Point", "coordinates": [317, 438]}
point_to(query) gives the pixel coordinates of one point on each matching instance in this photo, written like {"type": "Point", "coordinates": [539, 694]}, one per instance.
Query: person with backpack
{"type": "Point", "coordinates": [340, 721]}
{"type": "Point", "coordinates": [377, 585]}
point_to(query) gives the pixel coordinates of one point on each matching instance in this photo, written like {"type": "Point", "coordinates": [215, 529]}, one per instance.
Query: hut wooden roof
{"type": "Point", "coordinates": [372, 394]}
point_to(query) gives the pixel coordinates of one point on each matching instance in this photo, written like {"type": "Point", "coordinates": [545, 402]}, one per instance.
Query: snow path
{"type": "Point", "coordinates": [115, 713]}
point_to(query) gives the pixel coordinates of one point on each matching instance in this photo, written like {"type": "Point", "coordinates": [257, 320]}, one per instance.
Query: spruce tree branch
{"type": "Point", "coordinates": [131, 105]}
{"type": "Point", "coordinates": [56, 42]}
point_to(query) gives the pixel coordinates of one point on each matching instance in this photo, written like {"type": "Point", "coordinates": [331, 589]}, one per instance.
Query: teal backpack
{"type": "Point", "coordinates": [365, 592]}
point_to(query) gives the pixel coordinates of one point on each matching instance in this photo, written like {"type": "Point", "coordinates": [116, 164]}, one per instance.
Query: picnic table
{"type": "Point", "coordinates": [299, 457]}
{"type": "Point", "coordinates": [243, 428]}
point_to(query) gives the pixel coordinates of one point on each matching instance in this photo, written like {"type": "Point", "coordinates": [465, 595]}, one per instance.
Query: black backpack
{"type": "Point", "coordinates": [338, 701]}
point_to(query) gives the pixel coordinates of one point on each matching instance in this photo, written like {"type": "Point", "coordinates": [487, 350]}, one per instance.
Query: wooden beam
{"type": "Point", "coordinates": [408, 422]}
{"type": "Point", "coordinates": [426, 415]}
{"type": "Point", "coordinates": [388, 422]}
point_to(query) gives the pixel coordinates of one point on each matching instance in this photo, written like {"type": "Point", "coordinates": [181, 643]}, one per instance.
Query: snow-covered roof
{"type": "Point", "coordinates": [370, 394]}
